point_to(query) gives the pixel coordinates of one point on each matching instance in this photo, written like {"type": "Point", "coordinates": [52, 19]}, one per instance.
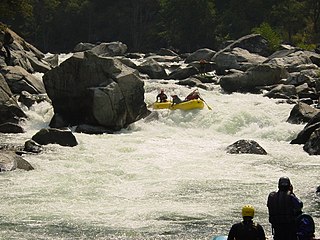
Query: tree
{"type": "Point", "coordinates": [288, 16]}
{"type": "Point", "coordinates": [188, 24]}
{"type": "Point", "coordinates": [313, 7]}
{"type": "Point", "coordinates": [14, 12]}
{"type": "Point", "coordinates": [42, 21]}
{"type": "Point", "coordinates": [10, 10]}
{"type": "Point", "coordinates": [237, 18]}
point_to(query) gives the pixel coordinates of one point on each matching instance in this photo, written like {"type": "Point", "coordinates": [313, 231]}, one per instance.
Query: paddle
{"type": "Point", "coordinates": [150, 105]}
{"type": "Point", "coordinates": [198, 93]}
{"type": "Point", "coordinates": [206, 104]}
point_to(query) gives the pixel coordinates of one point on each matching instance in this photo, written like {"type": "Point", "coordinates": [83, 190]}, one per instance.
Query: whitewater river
{"type": "Point", "coordinates": [167, 178]}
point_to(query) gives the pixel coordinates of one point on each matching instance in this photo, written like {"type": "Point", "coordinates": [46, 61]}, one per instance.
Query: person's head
{"type": "Point", "coordinates": [162, 91]}
{"type": "Point", "coordinates": [247, 212]}
{"type": "Point", "coordinates": [284, 184]}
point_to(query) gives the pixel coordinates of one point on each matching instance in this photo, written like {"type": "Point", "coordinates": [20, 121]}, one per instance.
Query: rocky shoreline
{"type": "Point", "coordinates": [100, 89]}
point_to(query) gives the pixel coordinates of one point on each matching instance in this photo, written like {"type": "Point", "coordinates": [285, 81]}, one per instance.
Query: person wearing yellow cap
{"type": "Point", "coordinates": [247, 229]}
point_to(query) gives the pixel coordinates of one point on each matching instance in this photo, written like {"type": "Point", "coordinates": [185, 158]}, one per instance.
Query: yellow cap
{"type": "Point", "coordinates": [247, 211]}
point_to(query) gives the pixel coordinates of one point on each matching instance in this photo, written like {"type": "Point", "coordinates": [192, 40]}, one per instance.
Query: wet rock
{"type": "Point", "coordinates": [247, 147]}
{"type": "Point", "coordinates": [302, 113]}
{"type": "Point", "coordinates": [55, 136]}
{"type": "Point", "coordinates": [183, 73]}
{"type": "Point", "coordinates": [201, 54]}
{"type": "Point", "coordinates": [9, 127]}
{"type": "Point", "coordinates": [28, 99]}
{"type": "Point", "coordinates": [260, 75]}
{"type": "Point", "coordinates": [153, 69]}
{"type": "Point", "coordinates": [20, 80]}
{"type": "Point", "coordinates": [305, 134]}
{"type": "Point", "coordinates": [312, 145]}
{"type": "Point", "coordinates": [11, 114]}
{"type": "Point", "coordinates": [81, 47]}
{"type": "Point", "coordinates": [110, 49]}
{"type": "Point", "coordinates": [10, 161]}
{"type": "Point", "coordinates": [32, 146]}
{"type": "Point", "coordinates": [102, 91]}
{"type": "Point", "coordinates": [282, 91]}
{"type": "Point", "coordinates": [89, 129]}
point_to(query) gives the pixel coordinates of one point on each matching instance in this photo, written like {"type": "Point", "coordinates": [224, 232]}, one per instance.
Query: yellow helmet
{"type": "Point", "coordinates": [247, 211]}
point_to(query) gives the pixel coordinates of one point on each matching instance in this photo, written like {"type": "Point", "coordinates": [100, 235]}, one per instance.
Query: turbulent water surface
{"type": "Point", "coordinates": [166, 178]}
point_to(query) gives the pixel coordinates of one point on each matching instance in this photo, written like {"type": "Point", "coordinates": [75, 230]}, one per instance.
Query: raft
{"type": "Point", "coordinates": [188, 105]}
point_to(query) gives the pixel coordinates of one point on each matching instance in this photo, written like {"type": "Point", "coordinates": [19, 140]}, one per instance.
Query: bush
{"type": "Point", "coordinates": [266, 31]}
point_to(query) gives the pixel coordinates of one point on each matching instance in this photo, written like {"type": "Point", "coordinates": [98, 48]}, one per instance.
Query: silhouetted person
{"type": "Point", "coordinates": [247, 229]}
{"type": "Point", "coordinates": [284, 207]}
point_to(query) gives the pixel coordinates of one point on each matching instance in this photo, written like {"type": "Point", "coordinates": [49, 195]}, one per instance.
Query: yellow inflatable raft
{"type": "Point", "coordinates": [188, 105]}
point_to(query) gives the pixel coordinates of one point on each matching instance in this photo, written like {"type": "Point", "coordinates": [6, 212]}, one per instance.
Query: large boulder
{"type": "Point", "coordinates": [258, 76]}
{"type": "Point", "coordinates": [308, 76]}
{"type": "Point", "coordinates": [10, 113]}
{"type": "Point", "coordinates": [183, 72]}
{"type": "Point", "coordinates": [282, 91]}
{"type": "Point", "coordinates": [153, 69]}
{"type": "Point", "coordinates": [302, 113]}
{"type": "Point", "coordinates": [236, 58]}
{"type": "Point", "coordinates": [9, 127]}
{"type": "Point", "coordinates": [110, 49]}
{"type": "Point", "coordinates": [20, 80]}
{"type": "Point", "coordinates": [304, 135]}
{"type": "Point", "coordinates": [6, 96]}
{"type": "Point", "coordinates": [81, 47]}
{"type": "Point", "coordinates": [98, 91]}
{"type": "Point", "coordinates": [201, 54]}
{"type": "Point", "coordinates": [312, 145]}
{"type": "Point", "coordinates": [291, 60]}
{"type": "Point", "coordinates": [254, 43]}
{"type": "Point", "coordinates": [21, 53]}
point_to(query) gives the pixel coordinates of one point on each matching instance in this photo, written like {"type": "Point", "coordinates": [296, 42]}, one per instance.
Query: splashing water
{"type": "Point", "coordinates": [167, 178]}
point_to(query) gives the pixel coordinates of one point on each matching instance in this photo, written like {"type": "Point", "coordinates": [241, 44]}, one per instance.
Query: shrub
{"type": "Point", "coordinates": [266, 31]}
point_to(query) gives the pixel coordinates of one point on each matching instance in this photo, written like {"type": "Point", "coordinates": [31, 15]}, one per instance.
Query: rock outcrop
{"type": "Point", "coordinates": [98, 91]}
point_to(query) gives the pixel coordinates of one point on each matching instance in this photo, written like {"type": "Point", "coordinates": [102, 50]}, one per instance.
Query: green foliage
{"type": "Point", "coordinates": [301, 41]}
{"type": "Point", "coordinates": [305, 46]}
{"type": "Point", "coordinates": [146, 25]}
{"type": "Point", "coordinates": [288, 15]}
{"type": "Point", "coordinates": [274, 38]}
{"type": "Point", "coordinates": [12, 9]}
{"type": "Point", "coordinates": [188, 24]}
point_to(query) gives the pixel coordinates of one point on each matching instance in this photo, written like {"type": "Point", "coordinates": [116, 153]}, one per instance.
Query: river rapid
{"type": "Point", "coordinates": [164, 178]}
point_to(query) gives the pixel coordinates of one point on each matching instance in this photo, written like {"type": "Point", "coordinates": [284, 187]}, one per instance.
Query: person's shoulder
{"type": "Point", "coordinates": [273, 193]}
{"type": "Point", "coordinates": [235, 225]}
{"type": "Point", "coordinates": [258, 225]}
{"type": "Point", "coordinates": [293, 196]}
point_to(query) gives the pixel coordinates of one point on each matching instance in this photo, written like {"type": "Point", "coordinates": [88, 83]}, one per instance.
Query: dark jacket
{"type": "Point", "coordinates": [283, 208]}
{"type": "Point", "coordinates": [246, 230]}
{"type": "Point", "coordinates": [176, 100]}
{"type": "Point", "coordinates": [161, 97]}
